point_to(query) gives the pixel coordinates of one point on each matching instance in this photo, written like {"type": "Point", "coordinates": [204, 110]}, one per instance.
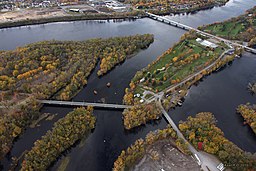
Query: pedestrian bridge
{"type": "Point", "coordinates": [71, 103]}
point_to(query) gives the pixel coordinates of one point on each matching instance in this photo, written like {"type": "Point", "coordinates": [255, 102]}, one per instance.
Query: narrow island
{"type": "Point", "coordinates": [64, 134]}
{"type": "Point", "coordinates": [170, 76]}
{"type": "Point", "coordinates": [53, 70]}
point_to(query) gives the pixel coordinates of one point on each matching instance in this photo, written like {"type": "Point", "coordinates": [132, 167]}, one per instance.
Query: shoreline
{"type": "Point", "coordinates": [131, 15]}
{"type": "Point", "coordinates": [67, 19]}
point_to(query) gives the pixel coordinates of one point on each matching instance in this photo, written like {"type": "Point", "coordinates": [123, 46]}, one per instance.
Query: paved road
{"type": "Point", "coordinates": [206, 160]}
{"type": "Point", "coordinates": [186, 27]}
{"type": "Point", "coordinates": [172, 87]}
{"type": "Point", "coordinates": [70, 103]}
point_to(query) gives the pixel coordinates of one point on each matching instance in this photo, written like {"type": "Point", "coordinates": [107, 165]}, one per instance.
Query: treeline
{"type": "Point", "coordinates": [121, 48]}
{"type": "Point", "coordinates": [140, 114]}
{"type": "Point", "coordinates": [63, 135]}
{"type": "Point", "coordinates": [161, 7]}
{"type": "Point", "coordinates": [248, 112]}
{"type": "Point", "coordinates": [46, 68]}
{"type": "Point", "coordinates": [202, 128]}
{"type": "Point", "coordinates": [135, 152]}
{"type": "Point", "coordinates": [93, 16]}
{"type": "Point", "coordinates": [49, 69]}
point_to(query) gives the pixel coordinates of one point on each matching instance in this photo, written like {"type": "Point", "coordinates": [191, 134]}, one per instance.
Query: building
{"type": "Point", "coordinates": [206, 43]}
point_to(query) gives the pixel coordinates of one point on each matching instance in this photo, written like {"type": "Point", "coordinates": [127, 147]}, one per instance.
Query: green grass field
{"type": "Point", "coordinates": [185, 65]}
{"type": "Point", "coordinates": [227, 29]}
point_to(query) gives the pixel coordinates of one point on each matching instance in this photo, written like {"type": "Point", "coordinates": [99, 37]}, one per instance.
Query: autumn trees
{"type": "Point", "coordinates": [202, 128]}
{"type": "Point", "coordinates": [140, 114]}
{"type": "Point", "coordinates": [13, 121]}
{"type": "Point", "coordinates": [174, 6]}
{"type": "Point", "coordinates": [54, 69]}
{"type": "Point", "coordinates": [136, 151]}
{"type": "Point", "coordinates": [248, 112]}
{"type": "Point", "coordinates": [121, 48]}
{"type": "Point", "coordinates": [63, 135]}
{"type": "Point", "coordinates": [61, 67]}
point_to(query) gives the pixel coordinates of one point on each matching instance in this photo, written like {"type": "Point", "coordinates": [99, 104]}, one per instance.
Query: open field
{"type": "Point", "coordinates": [184, 59]}
{"type": "Point", "coordinates": [29, 14]}
{"type": "Point", "coordinates": [241, 28]}
{"type": "Point", "coordinates": [164, 155]}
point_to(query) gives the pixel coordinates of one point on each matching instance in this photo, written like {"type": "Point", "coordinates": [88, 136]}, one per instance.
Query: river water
{"type": "Point", "coordinates": [219, 93]}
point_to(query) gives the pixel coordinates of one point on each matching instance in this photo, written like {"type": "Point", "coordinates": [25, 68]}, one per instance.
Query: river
{"type": "Point", "coordinates": [219, 93]}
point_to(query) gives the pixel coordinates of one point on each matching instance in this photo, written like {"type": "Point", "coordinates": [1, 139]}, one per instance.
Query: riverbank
{"type": "Point", "coordinates": [171, 7]}
{"type": "Point", "coordinates": [43, 16]}
{"type": "Point", "coordinates": [173, 73]}
{"type": "Point", "coordinates": [202, 132]}
{"type": "Point", "coordinates": [248, 112]}
{"type": "Point", "coordinates": [116, 137]}
{"type": "Point", "coordinates": [58, 68]}
{"type": "Point", "coordinates": [128, 158]}
{"type": "Point", "coordinates": [241, 28]}
{"type": "Point", "coordinates": [67, 18]}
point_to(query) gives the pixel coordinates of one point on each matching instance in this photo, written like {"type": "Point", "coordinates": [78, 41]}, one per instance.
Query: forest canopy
{"type": "Point", "coordinates": [53, 69]}
{"type": "Point", "coordinates": [63, 135]}
{"type": "Point", "coordinates": [202, 128]}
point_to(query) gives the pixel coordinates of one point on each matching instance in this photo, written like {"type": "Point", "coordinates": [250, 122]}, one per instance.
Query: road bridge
{"type": "Point", "coordinates": [186, 27]}
{"type": "Point", "coordinates": [71, 103]}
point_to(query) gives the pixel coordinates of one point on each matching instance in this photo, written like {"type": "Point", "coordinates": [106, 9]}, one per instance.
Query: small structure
{"type": "Point", "coordinates": [162, 69]}
{"type": "Point", "coordinates": [141, 101]}
{"type": "Point", "coordinates": [95, 92]}
{"type": "Point", "coordinates": [142, 80]}
{"type": "Point", "coordinates": [221, 167]}
{"type": "Point", "coordinates": [199, 40]}
{"type": "Point", "coordinates": [74, 10]}
{"type": "Point", "coordinates": [137, 95]}
{"type": "Point", "coordinates": [206, 43]}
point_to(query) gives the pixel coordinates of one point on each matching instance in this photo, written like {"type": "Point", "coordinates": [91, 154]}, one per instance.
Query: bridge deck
{"type": "Point", "coordinates": [69, 103]}
{"type": "Point", "coordinates": [186, 27]}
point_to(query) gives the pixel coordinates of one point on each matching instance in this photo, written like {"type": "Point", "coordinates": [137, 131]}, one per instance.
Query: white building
{"type": "Point", "coordinates": [206, 43]}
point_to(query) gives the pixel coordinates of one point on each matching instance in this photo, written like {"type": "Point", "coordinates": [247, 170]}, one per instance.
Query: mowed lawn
{"type": "Point", "coordinates": [227, 29]}
{"type": "Point", "coordinates": [178, 70]}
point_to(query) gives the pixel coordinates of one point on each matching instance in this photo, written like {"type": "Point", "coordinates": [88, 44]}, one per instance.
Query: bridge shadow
{"type": "Point", "coordinates": [73, 107]}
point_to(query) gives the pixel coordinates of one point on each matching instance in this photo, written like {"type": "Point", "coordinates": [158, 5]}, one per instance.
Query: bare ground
{"type": "Point", "coordinates": [164, 156]}
{"type": "Point", "coordinates": [25, 14]}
